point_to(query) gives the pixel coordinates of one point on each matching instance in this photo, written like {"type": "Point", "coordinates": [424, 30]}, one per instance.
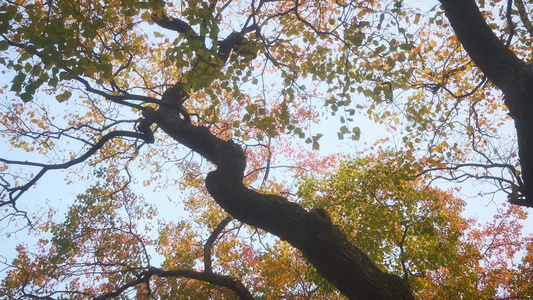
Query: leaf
{"type": "Point", "coordinates": [357, 38]}
{"type": "Point", "coordinates": [344, 129]}
{"type": "Point", "coordinates": [257, 134]}
{"type": "Point", "coordinates": [64, 96]}
{"type": "Point", "coordinates": [26, 97]}
{"type": "Point", "coordinates": [4, 45]}
{"type": "Point", "coordinates": [18, 80]}
{"type": "Point", "coordinates": [356, 133]}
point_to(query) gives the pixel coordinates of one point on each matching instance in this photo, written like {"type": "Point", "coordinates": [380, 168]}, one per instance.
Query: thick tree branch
{"type": "Point", "coordinates": [208, 247]}
{"type": "Point", "coordinates": [219, 280]}
{"type": "Point", "coordinates": [120, 99]}
{"type": "Point", "coordinates": [501, 66]}
{"type": "Point", "coordinates": [322, 243]}
{"type": "Point", "coordinates": [234, 41]}
{"type": "Point", "coordinates": [178, 26]}
{"type": "Point", "coordinates": [489, 53]}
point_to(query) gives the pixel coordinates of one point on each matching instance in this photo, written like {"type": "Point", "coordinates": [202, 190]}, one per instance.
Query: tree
{"type": "Point", "coordinates": [422, 235]}
{"type": "Point", "coordinates": [135, 81]}
{"type": "Point", "coordinates": [511, 74]}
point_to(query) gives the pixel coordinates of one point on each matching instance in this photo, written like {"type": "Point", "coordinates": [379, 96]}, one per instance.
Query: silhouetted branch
{"type": "Point", "coordinates": [524, 16]}
{"type": "Point", "coordinates": [120, 99]}
{"type": "Point", "coordinates": [16, 192]}
{"type": "Point", "coordinates": [208, 247]}
{"type": "Point", "coordinates": [216, 279]}
{"type": "Point", "coordinates": [515, 190]}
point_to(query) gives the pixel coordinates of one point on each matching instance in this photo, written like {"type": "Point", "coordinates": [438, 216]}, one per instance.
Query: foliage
{"type": "Point", "coordinates": [418, 232]}
{"type": "Point", "coordinates": [225, 102]}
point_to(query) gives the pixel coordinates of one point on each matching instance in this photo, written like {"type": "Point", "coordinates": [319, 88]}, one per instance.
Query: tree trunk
{"type": "Point", "coordinates": [506, 71]}
{"type": "Point", "coordinates": [321, 242]}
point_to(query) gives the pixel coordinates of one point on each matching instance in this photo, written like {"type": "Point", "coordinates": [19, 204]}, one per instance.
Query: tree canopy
{"type": "Point", "coordinates": [220, 106]}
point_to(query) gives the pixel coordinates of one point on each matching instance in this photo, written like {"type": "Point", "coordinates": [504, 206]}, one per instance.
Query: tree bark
{"type": "Point", "coordinates": [510, 74]}
{"type": "Point", "coordinates": [321, 242]}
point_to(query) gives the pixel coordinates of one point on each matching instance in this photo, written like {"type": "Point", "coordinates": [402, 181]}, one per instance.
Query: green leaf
{"type": "Point", "coordinates": [358, 38]}
{"type": "Point", "coordinates": [344, 129]}
{"type": "Point", "coordinates": [53, 81]}
{"type": "Point", "coordinates": [356, 133]}
{"type": "Point", "coordinates": [26, 97]}
{"type": "Point", "coordinates": [4, 45]}
{"type": "Point", "coordinates": [63, 97]}
{"type": "Point", "coordinates": [18, 80]}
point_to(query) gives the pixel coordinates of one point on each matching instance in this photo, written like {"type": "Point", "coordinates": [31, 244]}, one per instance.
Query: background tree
{"type": "Point", "coordinates": [156, 84]}
{"type": "Point", "coordinates": [422, 235]}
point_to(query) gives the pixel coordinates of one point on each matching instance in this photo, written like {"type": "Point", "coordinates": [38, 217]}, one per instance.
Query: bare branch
{"type": "Point", "coordinates": [208, 247]}
{"type": "Point", "coordinates": [490, 166]}
{"type": "Point", "coordinates": [178, 26]}
{"type": "Point", "coordinates": [515, 190]}
{"type": "Point", "coordinates": [510, 23]}
{"type": "Point", "coordinates": [524, 16]}
{"type": "Point", "coordinates": [219, 280]}
{"type": "Point", "coordinates": [120, 99]}
{"type": "Point", "coordinates": [16, 192]}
